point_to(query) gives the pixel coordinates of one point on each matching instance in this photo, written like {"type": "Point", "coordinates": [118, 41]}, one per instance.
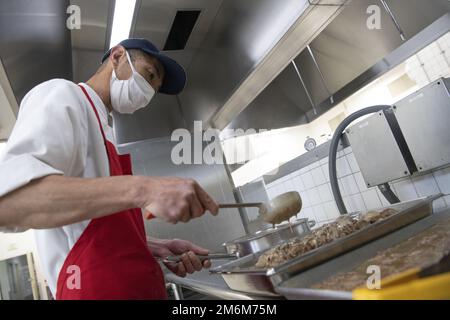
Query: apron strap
{"type": "Point", "coordinates": [96, 115]}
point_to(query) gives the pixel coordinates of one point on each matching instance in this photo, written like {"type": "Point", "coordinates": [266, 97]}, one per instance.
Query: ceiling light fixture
{"type": "Point", "coordinates": [122, 20]}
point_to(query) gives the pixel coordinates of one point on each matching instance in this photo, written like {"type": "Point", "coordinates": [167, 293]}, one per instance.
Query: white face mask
{"type": "Point", "coordinates": [132, 94]}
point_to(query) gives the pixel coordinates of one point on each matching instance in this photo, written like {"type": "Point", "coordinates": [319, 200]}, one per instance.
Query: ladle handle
{"type": "Point", "coordinates": [240, 205]}
{"type": "Point", "coordinates": [211, 256]}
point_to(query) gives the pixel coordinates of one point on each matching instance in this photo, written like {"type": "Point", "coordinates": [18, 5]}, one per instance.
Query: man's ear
{"type": "Point", "coordinates": [117, 53]}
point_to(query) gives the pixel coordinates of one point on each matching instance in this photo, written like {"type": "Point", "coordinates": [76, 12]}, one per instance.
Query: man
{"type": "Point", "coordinates": [61, 174]}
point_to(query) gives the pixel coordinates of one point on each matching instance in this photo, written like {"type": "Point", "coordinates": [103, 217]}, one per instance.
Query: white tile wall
{"type": "Point", "coordinates": [430, 63]}
{"type": "Point", "coordinates": [349, 185]}
{"type": "Point", "coordinates": [342, 189]}
{"type": "Point", "coordinates": [323, 161]}
{"type": "Point", "coordinates": [348, 150]}
{"type": "Point", "coordinates": [319, 213]}
{"type": "Point", "coordinates": [305, 199]}
{"type": "Point", "coordinates": [314, 165]}
{"type": "Point", "coordinates": [290, 184]}
{"type": "Point", "coordinates": [357, 203]}
{"type": "Point", "coordinates": [308, 213]}
{"type": "Point", "coordinates": [325, 171]}
{"type": "Point", "coordinates": [313, 196]}
{"type": "Point", "coordinates": [405, 189]}
{"type": "Point", "coordinates": [331, 210]}
{"type": "Point", "coordinates": [300, 186]}
{"type": "Point", "coordinates": [348, 204]}
{"type": "Point", "coordinates": [360, 181]}
{"type": "Point", "coordinates": [425, 185]}
{"type": "Point", "coordinates": [383, 200]}
{"type": "Point", "coordinates": [352, 162]}
{"type": "Point", "coordinates": [318, 176]}
{"type": "Point", "coordinates": [313, 184]}
{"type": "Point", "coordinates": [307, 180]}
{"type": "Point", "coordinates": [442, 178]}
{"type": "Point", "coordinates": [371, 199]}
{"type": "Point", "coordinates": [342, 167]}
{"type": "Point", "coordinates": [325, 192]}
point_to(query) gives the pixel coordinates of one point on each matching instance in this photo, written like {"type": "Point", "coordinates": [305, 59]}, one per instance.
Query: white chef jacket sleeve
{"type": "Point", "coordinates": [48, 138]}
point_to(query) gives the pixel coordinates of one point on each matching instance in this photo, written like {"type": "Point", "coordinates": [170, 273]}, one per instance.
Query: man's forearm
{"type": "Point", "coordinates": [151, 241]}
{"type": "Point", "coordinates": [56, 201]}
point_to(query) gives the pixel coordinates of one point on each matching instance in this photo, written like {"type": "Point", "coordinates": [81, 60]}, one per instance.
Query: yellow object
{"type": "Point", "coordinates": [408, 286]}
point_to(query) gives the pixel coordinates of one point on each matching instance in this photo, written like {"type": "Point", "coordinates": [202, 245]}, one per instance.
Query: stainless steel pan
{"type": "Point", "coordinates": [277, 210]}
{"type": "Point", "coordinates": [242, 275]}
{"type": "Point", "coordinates": [268, 238]}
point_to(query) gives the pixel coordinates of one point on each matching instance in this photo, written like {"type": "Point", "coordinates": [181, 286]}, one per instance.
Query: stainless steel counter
{"type": "Point", "coordinates": [211, 285]}
{"type": "Point", "coordinates": [298, 287]}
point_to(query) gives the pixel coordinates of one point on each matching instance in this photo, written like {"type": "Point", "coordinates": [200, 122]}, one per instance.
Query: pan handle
{"type": "Point", "coordinates": [311, 223]}
{"type": "Point", "coordinates": [211, 256]}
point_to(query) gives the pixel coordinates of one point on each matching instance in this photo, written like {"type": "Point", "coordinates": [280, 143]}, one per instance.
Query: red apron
{"type": "Point", "coordinates": [112, 256]}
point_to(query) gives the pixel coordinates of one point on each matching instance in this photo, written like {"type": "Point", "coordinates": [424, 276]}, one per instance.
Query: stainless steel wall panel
{"type": "Point", "coordinates": [254, 192]}
{"type": "Point", "coordinates": [90, 42]}
{"type": "Point", "coordinates": [350, 56]}
{"type": "Point", "coordinates": [240, 37]}
{"type": "Point", "coordinates": [159, 119]}
{"type": "Point", "coordinates": [34, 42]}
{"type": "Point", "coordinates": [152, 158]}
{"type": "Point", "coordinates": [278, 106]}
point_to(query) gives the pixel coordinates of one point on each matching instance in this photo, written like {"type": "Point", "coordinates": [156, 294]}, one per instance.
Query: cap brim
{"type": "Point", "coordinates": [174, 74]}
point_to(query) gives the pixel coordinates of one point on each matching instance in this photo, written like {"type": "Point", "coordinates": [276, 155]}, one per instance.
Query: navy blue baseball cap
{"type": "Point", "coordinates": [175, 76]}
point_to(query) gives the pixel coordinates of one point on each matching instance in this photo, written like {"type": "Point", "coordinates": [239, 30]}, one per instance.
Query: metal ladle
{"type": "Point", "coordinates": [275, 211]}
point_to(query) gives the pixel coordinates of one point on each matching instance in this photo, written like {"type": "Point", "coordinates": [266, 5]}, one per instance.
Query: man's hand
{"type": "Point", "coordinates": [189, 253]}
{"type": "Point", "coordinates": [175, 199]}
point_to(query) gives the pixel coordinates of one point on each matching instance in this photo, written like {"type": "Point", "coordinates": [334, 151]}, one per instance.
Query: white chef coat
{"type": "Point", "coordinates": [56, 132]}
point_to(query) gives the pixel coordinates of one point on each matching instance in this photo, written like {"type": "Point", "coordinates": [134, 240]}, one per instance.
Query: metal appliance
{"type": "Point", "coordinates": [423, 118]}
{"type": "Point", "coordinates": [265, 239]}
{"type": "Point", "coordinates": [410, 138]}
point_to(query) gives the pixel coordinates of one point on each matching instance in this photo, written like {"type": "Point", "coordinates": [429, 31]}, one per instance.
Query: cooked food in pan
{"type": "Point", "coordinates": [327, 233]}
{"type": "Point", "coordinates": [419, 251]}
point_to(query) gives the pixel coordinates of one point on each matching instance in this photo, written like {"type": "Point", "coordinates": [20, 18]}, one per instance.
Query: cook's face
{"type": "Point", "coordinates": [149, 67]}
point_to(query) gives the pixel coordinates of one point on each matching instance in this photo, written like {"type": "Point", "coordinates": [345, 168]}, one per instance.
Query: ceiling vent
{"type": "Point", "coordinates": [181, 29]}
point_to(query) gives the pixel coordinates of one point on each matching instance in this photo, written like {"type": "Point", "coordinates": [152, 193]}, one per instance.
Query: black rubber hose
{"type": "Point", "coordinates": [333, 151]}
{"type": "Point", "coordinates": [387, 193]}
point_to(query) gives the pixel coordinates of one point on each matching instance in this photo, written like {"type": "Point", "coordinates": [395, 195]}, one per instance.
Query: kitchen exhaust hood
{"type": "Point", "coordinates": [238, 54]}
{"type": "Point", "coordinates": [349, 56]}
{"type": "Point", "coordinates": [236, 48]}
{"type": "Point", "coordinates": [34, 43]}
